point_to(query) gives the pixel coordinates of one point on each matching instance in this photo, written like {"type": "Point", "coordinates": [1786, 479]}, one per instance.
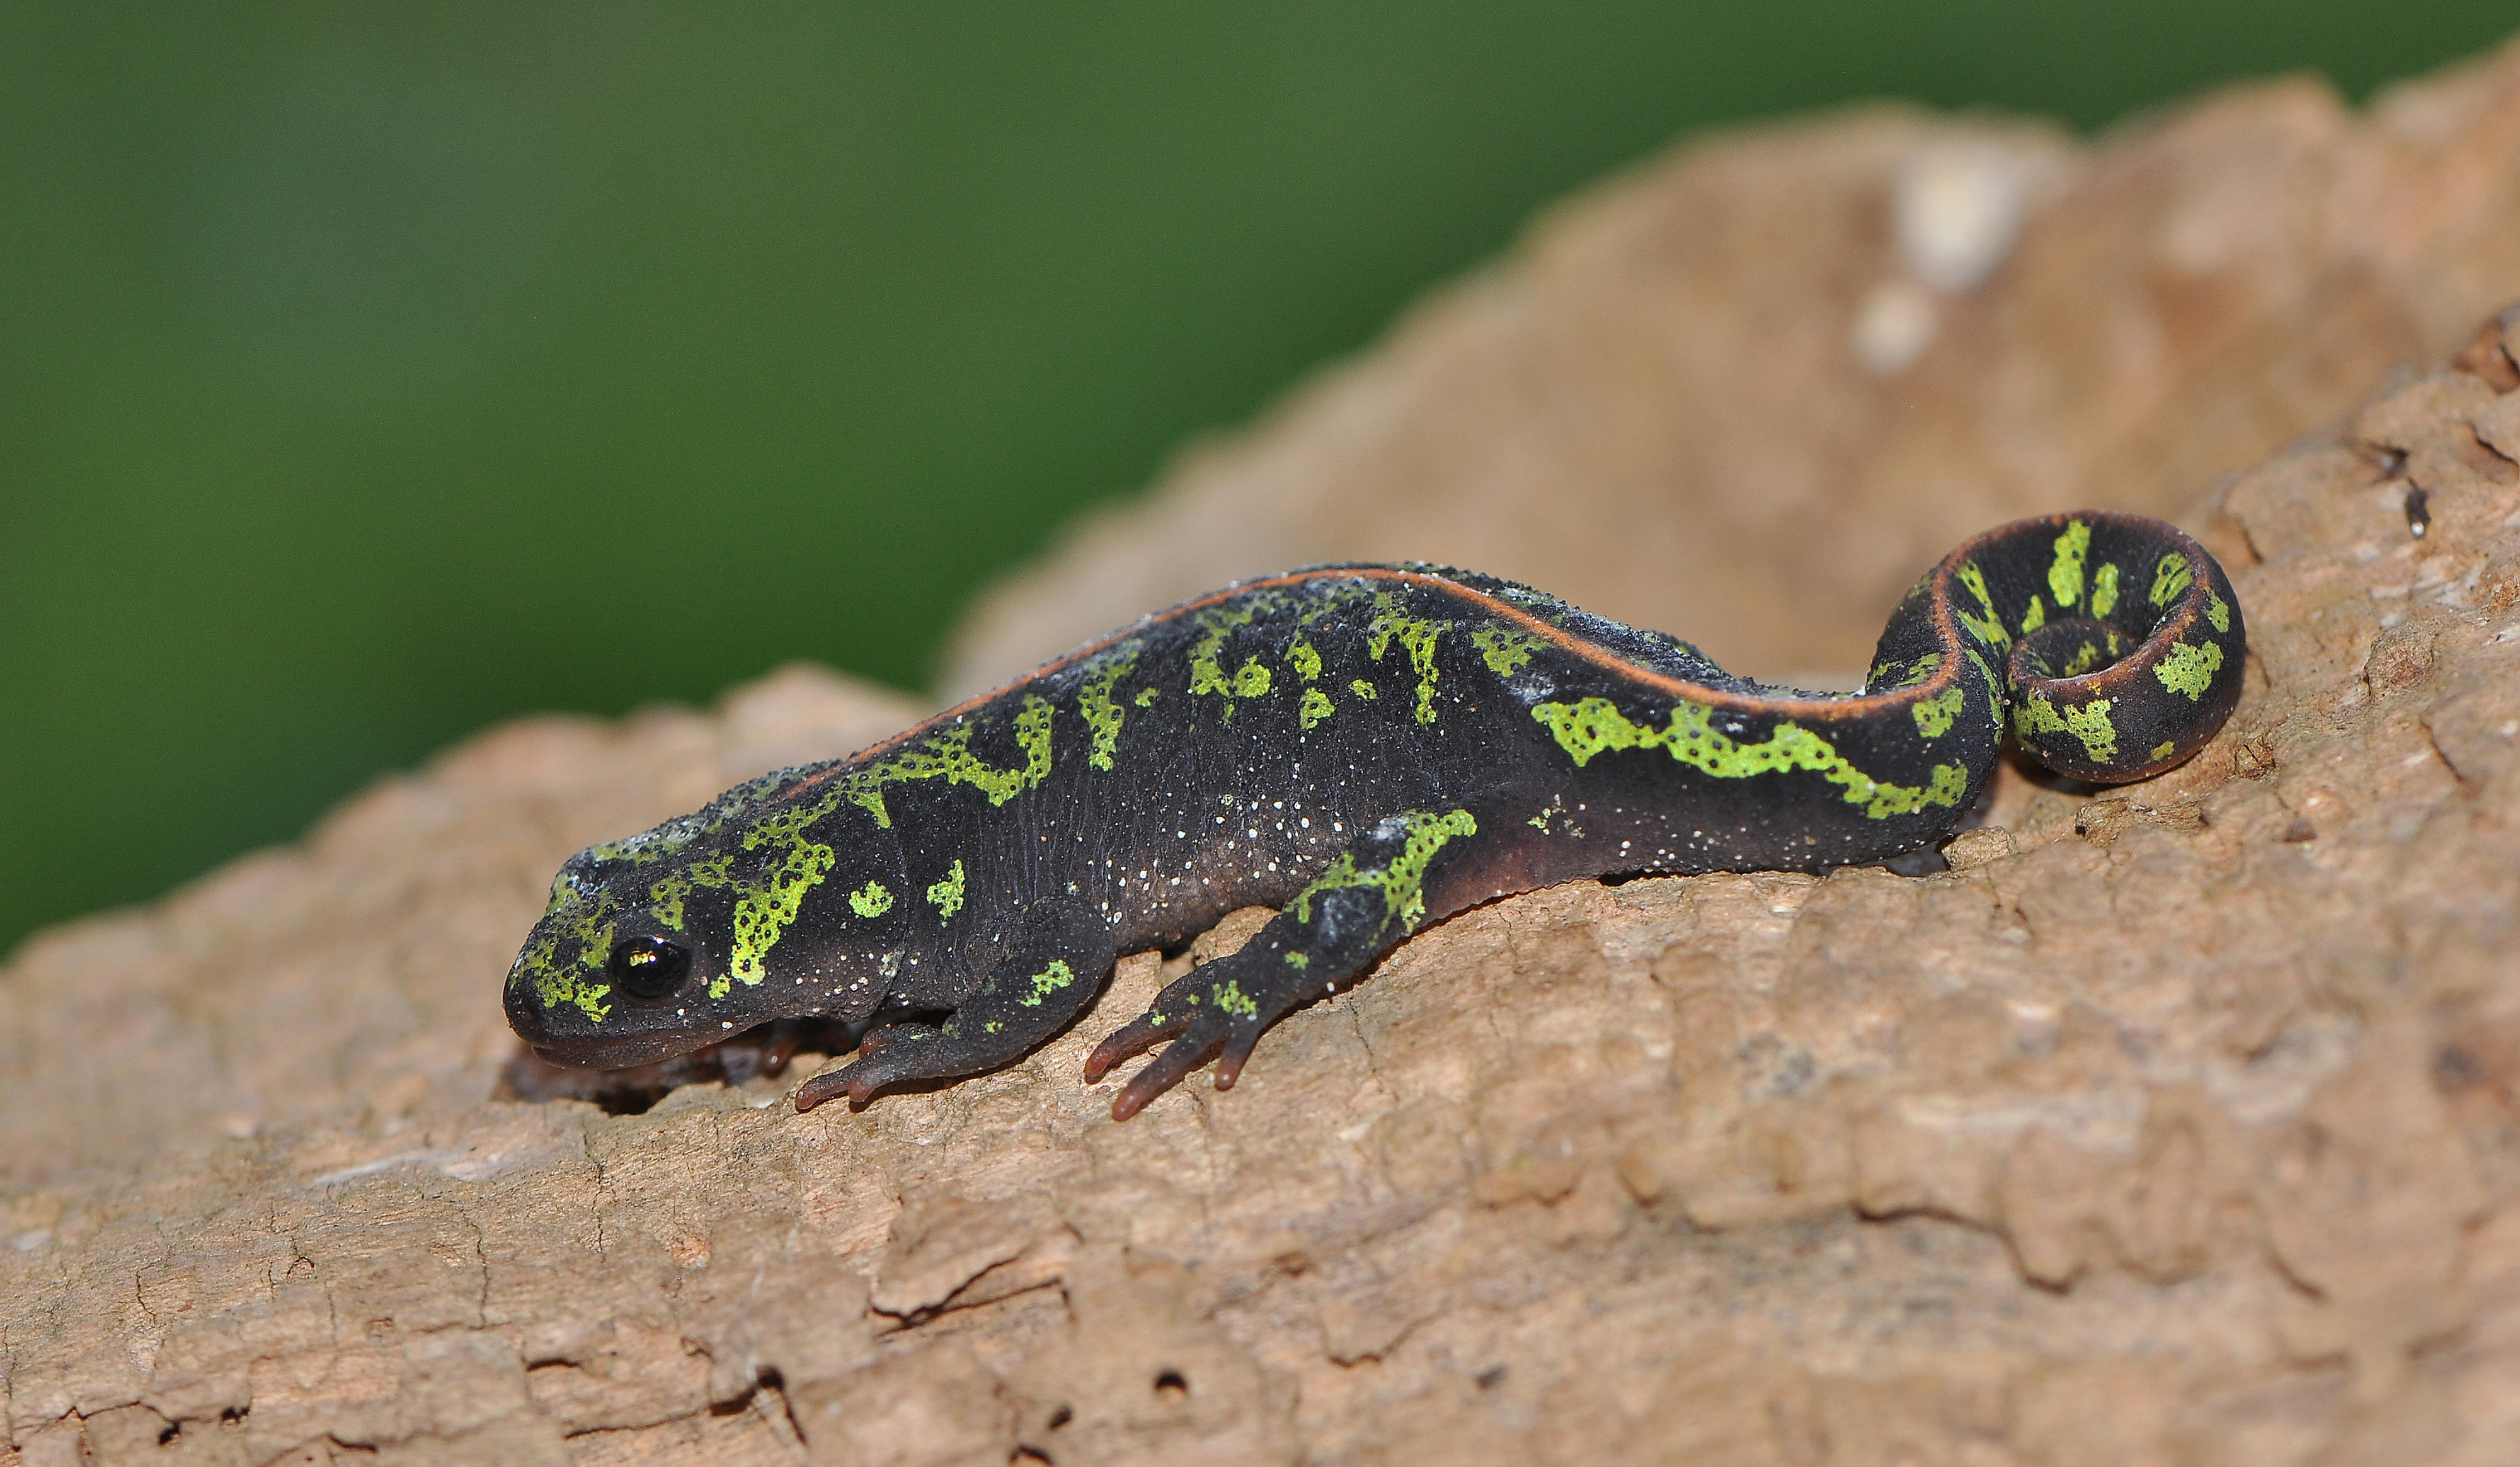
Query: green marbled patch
{"type": "Point", "coordinates": [2088, 723]}
{"type": "Point", "coordinates": [1417, 636]}
{"type": "Point", "coordinates": [2189, 668]}
{"type": "Point", "coordinates": [1596, 726]}
{"type": "Point", "coordinates": [1402, 881]}
{"type": "Point", "coordinates": [1934, 715]}
{"type": "Point", "coordinates": [1983, 624]}
{"type": "Point", "coordinates": [668, 893]}
{"type": "Point", "coordinates": [1986, 670]}
{"type": "Point", "coordinates": [948, 756]}
{"type": "Point", "coordinates": [1304, 659]}
{"type": "Point", "coordinates": [947, 894]}
{"type": "Point", "coordinates": [1207, 673]}
{"type": "Point", "coordinates": [2170, 578]}
{"type": "Point", "coordinates": [1048, 980]}
{"type": "Point", "coordinates": [1505, 648]}
{"type": "Point", "coordinates": [1095, 706]}
{"type": "Point", "coordinates": [587, 932]}
{"type": "Point", "coordinates": [2065, 572]}
{"type": "Point", "coordinates": [765, 905]}
{"type": "Point", "coordinates": [1919, 671]}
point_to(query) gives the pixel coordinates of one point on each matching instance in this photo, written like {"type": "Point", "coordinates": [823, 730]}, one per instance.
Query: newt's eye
{"type": "Point", "coordinates": [647, 967]}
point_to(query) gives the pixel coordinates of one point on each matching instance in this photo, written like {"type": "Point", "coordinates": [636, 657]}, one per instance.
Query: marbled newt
{"type": "Point", "coordinates": [1368, 748]}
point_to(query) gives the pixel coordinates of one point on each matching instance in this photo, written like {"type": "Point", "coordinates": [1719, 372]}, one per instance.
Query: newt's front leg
{"type": "Point", "coordinates": [1056, 960]}
{"type": "Point", "coordinates": [1370, 897]}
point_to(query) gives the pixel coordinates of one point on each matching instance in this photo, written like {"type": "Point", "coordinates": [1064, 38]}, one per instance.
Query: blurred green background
{"type": "Point", "coordinates": [376, 373]}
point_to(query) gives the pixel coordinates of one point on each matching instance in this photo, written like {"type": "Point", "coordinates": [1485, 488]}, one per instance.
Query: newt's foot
{"type": "Point", "coordinates": [1199, 1015]}
{"type": "Point", "coordinates": [1056, 956]}
{"type": "Point", "coordinates": [881, 1061]}
{"type": "Point", "coordinates": [845, 1080]}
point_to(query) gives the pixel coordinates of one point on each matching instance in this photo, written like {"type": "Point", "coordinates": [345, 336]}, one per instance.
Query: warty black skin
{"type": "Point", "coordinates": [1366, 747]}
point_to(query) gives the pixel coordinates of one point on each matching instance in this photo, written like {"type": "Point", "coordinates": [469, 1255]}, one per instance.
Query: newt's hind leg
{"type": "Point", "coordinates": [1056, 957]}
{"type": "Point", "coordinates": [1370, 897]}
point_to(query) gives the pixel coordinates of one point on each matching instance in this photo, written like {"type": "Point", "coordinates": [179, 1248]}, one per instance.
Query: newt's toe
{"type": "Point", "coordinates": [822, 1088]}
{"type": "Point", "coordinates": [1130, 1041]}
{"type": "Point", "coordinates": [1165, 1071]}
{"type": "Point", "coordinates": [858, 1080]}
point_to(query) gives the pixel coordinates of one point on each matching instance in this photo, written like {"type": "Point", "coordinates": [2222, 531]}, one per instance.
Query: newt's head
{"type": "Point", "coordinates": [654, 946]}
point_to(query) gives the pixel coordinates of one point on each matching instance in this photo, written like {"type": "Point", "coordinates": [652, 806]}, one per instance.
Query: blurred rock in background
{"type": "Point", "coordinates": [1748, 391]}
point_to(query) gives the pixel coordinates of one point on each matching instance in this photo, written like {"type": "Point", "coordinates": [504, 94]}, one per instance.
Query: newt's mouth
{"type": "Point", "coordinates": [555, 1039]}
{"type": "Point", "coordinates": [610, 1051]}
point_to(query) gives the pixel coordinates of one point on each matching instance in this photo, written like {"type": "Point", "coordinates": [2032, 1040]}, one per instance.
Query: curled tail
{"type": "Point", "coordinates": [2114, 639]}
